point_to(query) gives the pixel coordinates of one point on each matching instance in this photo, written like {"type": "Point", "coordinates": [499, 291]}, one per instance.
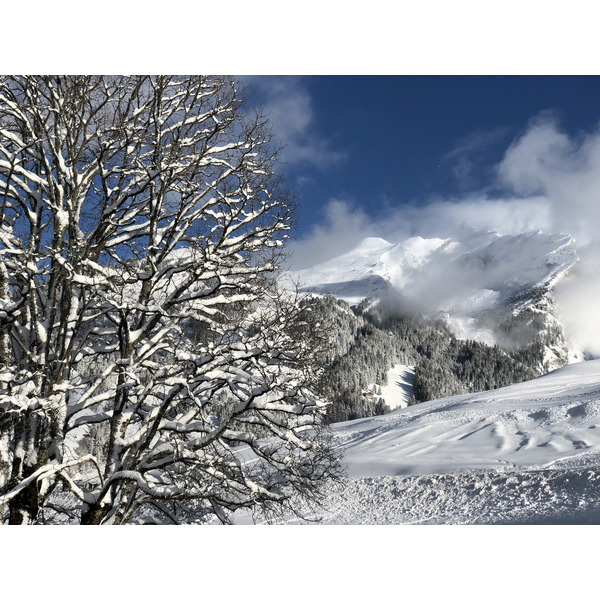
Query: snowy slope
{"type": "Point", "coordinates": [527, 453]}
{"type": "Point", "coordinates": [479, 272]}
{"type": "Point", "coordinates": [547, 421]}
{"type": "Point", "coordinates": [351, 276]}
{"type": "Point", "coordinates": [366, 269]}
{"type": "Point", "coordinates": [398, 390]}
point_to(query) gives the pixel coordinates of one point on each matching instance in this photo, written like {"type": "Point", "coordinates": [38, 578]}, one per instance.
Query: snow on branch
{"type": "Point", "coordinates": [143, 341]}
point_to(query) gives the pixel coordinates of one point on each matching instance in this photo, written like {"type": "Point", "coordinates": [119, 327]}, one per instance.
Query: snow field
{"type": "Point", "coordinates": [528, 453]}
{"type": "Point", "coordinates": [397, 392]}
{"type": "Point", "coordinates": [532, 424]}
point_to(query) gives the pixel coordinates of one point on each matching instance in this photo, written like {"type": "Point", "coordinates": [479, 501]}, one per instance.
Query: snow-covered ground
{"type": "Point", "coordinates": [398, 390]}
{"type": "Point", "coordinates": [526, 453]}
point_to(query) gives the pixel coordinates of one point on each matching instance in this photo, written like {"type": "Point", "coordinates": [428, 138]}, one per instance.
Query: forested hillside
{"type": "Point", "coordinates": [368, 340]}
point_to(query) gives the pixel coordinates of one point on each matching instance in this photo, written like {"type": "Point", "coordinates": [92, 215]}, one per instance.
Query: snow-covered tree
{"type": "Point", "coordinates": [149, 368]}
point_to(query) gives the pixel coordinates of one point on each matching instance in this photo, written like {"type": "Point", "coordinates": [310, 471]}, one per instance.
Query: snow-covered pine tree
{"type": "Point", "coordinates": [141, 220]}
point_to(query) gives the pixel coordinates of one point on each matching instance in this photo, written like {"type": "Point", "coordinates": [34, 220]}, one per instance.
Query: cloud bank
{"type": "Point", "coordinates": [345, 224]}
{"type": "Point", "coordinates": [547, 180]}
{"type": "Point", "coordinates": [565, 171]}
{"type": "Point", "coordinates": [288, 104]}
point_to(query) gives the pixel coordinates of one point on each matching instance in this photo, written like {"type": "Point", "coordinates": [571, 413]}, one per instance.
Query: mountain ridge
{"type": "Point", "coordinates": [478, 285]}
{"type": "Point", "coordinates": [540, 257]}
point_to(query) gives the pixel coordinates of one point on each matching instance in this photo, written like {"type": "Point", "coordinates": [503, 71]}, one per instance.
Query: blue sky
{"type": "Point", "coordinates": [443, 156]}
{"type": "Point", "coordinates": [378, 149]}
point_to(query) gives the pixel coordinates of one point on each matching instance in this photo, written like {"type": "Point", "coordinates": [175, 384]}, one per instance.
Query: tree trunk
{"type": "Point", "coordinates": [23, 508]}
{"type": "Point", "coordinates": [93, 514]}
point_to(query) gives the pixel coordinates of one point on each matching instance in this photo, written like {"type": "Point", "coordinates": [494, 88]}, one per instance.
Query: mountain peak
{"type": "Point", "coordinates": [371, 243]}
{"type": "Point", "coordinates": [441, 274]}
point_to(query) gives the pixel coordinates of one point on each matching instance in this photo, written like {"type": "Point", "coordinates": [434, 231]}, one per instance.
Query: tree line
{"type": "Point", "coordinates": [367, 341]}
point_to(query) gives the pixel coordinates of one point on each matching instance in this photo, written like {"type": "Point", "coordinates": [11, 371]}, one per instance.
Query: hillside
{"type": "Point", "coordinates": [487, 287]}
{"type": "Point", "coordinates": [526, 453]}
{"type": "Point", "coordinates": [368, 347]}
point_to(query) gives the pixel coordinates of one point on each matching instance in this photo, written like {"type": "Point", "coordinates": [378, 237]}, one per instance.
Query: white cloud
{"type": "Point", "coordinates": [345, 224]}
{"type": "Point", "coordinates": [477, 212]}
{"type": "Point", "coordinates": [564, 169]}
{"type": "Point", "coordinates": [577, 299]}
{"type": "Point", "coordinates": [466, 160]}
{"type": "Point", "coordinates": [289, 106]}
{"type": "Point", "coordinates": [551, 182]}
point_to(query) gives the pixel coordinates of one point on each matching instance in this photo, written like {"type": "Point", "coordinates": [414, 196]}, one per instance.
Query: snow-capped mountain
{"type": "Point", "coordinates": [478, 272]}
{"type": "Point", "coordinates": [475, 283]}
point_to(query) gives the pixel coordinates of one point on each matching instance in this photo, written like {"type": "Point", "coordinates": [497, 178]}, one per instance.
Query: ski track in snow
{"type": "Point", "coordinates": [528, 453]}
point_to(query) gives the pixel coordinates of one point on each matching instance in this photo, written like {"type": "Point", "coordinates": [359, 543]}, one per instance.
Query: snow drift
{"type": "Point", "coordinates": [527, 453]}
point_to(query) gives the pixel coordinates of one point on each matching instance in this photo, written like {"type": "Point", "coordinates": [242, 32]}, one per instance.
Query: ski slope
{"type": "Point", "coordinates": [398, 390]}
{"type": "Point", "coordinates": [526, 453]}
{"type": "Point", "coordinates": [538, 423]}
